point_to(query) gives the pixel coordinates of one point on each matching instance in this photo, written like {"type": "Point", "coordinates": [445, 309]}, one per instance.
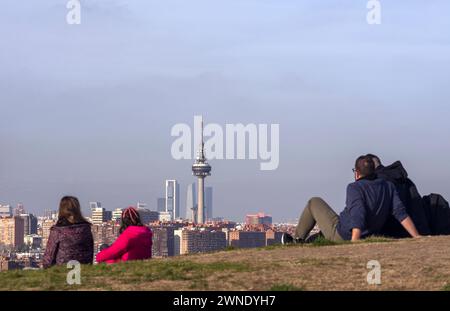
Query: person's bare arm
{"type": "Point", "coordinates": [356, 234]}
{"type": "Point", "coordinates": [408, 224]}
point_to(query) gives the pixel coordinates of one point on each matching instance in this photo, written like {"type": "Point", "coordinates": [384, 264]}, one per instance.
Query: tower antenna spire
{"type": "Point", "coordinates": [201, 169]}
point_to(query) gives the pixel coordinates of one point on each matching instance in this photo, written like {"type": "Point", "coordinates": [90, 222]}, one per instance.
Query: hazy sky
{"type": "Point", "coordinates": [87, 109]}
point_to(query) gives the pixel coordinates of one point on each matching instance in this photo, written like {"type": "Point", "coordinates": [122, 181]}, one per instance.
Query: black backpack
{"type": "Point", "coordinates": [437, 211]}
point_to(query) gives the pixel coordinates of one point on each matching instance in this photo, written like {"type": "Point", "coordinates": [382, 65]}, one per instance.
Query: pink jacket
{"type": "Point", "coordinates": [135, 243]}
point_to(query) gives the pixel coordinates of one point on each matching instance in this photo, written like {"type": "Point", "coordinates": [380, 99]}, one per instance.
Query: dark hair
{"type": "Point", "coordinates": [130, 217]}
{"type": "Point", "coordinates": [69, 212]}
{"type": "Point", "coordinates": [365, 166]}
{"type": "Point", "coordinates": [376, 159]}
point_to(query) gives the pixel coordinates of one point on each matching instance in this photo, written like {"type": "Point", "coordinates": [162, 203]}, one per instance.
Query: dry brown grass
{"type": "Point", "coordinates": [422, 264]}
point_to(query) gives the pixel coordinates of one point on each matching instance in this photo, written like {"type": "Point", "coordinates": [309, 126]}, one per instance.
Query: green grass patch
{"type": "Point", "coordinates": [181, 269]}
{"type": "Point", "coordinates": [98, 276]}
{"type": "Point", "coordinates": [446, 288]}
{"type": "Point", "coordinates": [322, 241]}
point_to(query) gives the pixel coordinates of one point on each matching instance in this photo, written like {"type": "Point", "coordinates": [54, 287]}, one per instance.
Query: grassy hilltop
{"type": "Point", "coordinates": [406, 265]}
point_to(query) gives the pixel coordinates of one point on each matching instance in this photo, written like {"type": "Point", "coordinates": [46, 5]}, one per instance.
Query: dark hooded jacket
{"type": "Point", "coordinates": [69, 242]}
{"type": "Point", "coordinates": [410, 197]}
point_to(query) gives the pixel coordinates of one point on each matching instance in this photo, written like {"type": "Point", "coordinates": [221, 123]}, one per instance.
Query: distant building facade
{"type": "Point", "coordinates": [46, 225]}
{"type": "Point", "coordinates": [273, 237]}
{"type": "Point", "coordinates": [33, 241]}
{"type": "Point", "coordinates": [258, 219]}
{"type": "Point", "coordinates": [189, 241]}
{"type": "Point", "coordinates": [6, 211]}
{"type": "Point", "coordinates": [30, 223]}
{"type": "Point", "coordinates": [15, 264]}
{"type": "Point", "coordinates": [99, 216]}
{"type": "Point", "coordinates": [12, 231]}
{"type": "Point", "coordinates": [148, 216]}
{"type": "Point", "coordinates": [209, 204]}
{"type": "Point", "coordinates": [20, 209]}
{"type": "Point", "coordinates": [247, 239]}
{"type": "Point", "coordinates": [161, 204]}
{"type": "Point", "coordinates": [117, 214]}
{"type": "Point", "coordinates": [105, 233]}
{"type": "Point", "coordinates": [191, 202]}
{"type": "Point", "coordinates": [163, 242]}
{"type": "Point", "coordinates": [173, 198]}
{"type": "Point", "coordinates": [165, 216]}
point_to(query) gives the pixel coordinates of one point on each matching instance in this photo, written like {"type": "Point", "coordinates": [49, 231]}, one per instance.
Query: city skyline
{"type": "Point", "coordinates": [97, 124]}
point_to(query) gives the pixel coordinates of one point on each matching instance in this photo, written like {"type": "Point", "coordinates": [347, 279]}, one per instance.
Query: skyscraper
{"type": "Point", "coordinates": [191, 203]}
{"type": "Point", "coordinates": [12, 231]}
{"type": "Point", "coordinates": [173, 198]}
{"type": "Point", "coordinates": [201, 169]}
{"type": "Point", "coordinates": [209, 203]}
{"type": "Point", "coordinates": [30, 223]}
{"type": "Point", "coordinates": [99, 216]}
{"type": "Point", "coordinates": [161, 204]}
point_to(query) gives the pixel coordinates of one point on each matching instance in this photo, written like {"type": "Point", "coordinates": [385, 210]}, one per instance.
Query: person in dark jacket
{"type": "Point", "coordinates": [370, 201]}
{"type": "Point", "coordinates": [409, 195]}
{"type": "Point", "coordinates": [71, 237]}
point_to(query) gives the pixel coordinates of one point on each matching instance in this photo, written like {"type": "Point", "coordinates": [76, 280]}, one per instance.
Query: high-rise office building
{"type": "Point", "coordinates": [209, 203]}
{"type": "Point", "coordinates": [99, 216]}
{"type": "Point", "coordinates": [191, 203]}
{"type": "Point", "coordinates": [107, 216]}
{"type": "Point", "coordinates": [173, 198]}
{"type": "Point", "coordinates": [6, 211]}
{"type": "Point", "coordinates": [161, 204]}
{"type": "Point", "coordinates": [12, 231]}
{"type": "Point", "coordinates": [201, 169]}
{"type": "Point", "coordinates": [30, 223]}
